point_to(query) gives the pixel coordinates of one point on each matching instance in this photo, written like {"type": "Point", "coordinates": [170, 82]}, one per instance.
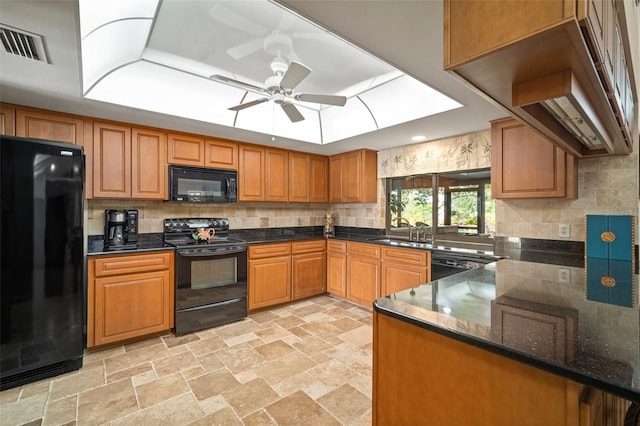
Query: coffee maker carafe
{"type": "Point", "coordinates": [120, 229]}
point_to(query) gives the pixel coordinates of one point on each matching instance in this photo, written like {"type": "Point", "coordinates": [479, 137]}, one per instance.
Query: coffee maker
{"type": "Point", "coordinates": [120, 229]}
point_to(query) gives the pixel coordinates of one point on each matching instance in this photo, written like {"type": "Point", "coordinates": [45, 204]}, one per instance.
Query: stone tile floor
{"type": "Point", "coordinates": [307, 363]}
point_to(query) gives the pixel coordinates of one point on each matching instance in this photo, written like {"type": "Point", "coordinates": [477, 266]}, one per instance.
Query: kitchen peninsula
{"type": "Point", "coordinates": [505, 344]}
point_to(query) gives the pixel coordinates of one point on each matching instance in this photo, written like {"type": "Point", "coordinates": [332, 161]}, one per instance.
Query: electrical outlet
{"type": "Point", "coordinates": [564, 275]}
{"type": "Point", "coordinates": [564, 230]}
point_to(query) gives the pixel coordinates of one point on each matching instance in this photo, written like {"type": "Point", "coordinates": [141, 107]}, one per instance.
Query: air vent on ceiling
{"type": "Point", "coordinates": [22, 43]}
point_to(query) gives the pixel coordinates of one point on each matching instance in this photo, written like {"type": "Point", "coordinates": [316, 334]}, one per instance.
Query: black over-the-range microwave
{"type": "Point", "coordinates": [200, 185]}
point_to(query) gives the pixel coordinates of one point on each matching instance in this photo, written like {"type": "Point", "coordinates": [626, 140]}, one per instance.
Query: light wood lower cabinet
{"type": "Point", "coordinates": [269, 275]}
{"type": "Point", "coordinates": [363, 273]}
{"type": "Point", "coordinates": [337, 268]}
{"type": "Point", "coordinates": [129, 296]}
{"type": "Point", "coordinates": [308, 268]}
{"type": "Point", "coordinates": [403, 269]}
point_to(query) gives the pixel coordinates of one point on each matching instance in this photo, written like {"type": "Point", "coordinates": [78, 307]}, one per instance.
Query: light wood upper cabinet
{"type": "Point", "coordinates": [49, 126]}
{"type": "Point", "coordinates": [7, 120]}
{"type": "Point", "coordinates": [276, 179]}
{"type": "Point", "coordinates": [128, 163]}
{"type": "Point", "coordinates": [129, 296]}
{"type": "Point", "coordinates": [353, 177]}
{"type": "Point", "coordinates": [251, 172]}
{"type": "Point", "coordinates": [527, 165]}
{"type": "Point", "coordinates": [219, 154]}
{"type": "Point", "coordinates": [111, 161]}
{"type": "Point", "coordinates": [517, 66]}
{"type": "Point", "coordinates": [185, 150]}
{"type": "Point", "coordinates": [308, 178]}
{"type": "Point", "coordinates": [148, 164]}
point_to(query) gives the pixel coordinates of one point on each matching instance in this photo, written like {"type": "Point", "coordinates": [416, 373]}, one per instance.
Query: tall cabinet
{"type": "Point", "coordinates": [353, 177]}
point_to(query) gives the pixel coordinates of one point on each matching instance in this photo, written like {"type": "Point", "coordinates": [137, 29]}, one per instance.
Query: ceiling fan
{"type": "Point", "coordinates": [279, 88]}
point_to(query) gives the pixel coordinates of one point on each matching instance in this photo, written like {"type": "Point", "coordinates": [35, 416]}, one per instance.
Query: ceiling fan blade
{"type": "Point", "coordinates": [292, 112]}
{"type": "Point", "coordinates": [248, 104]}
{"type": "Point", "coordinates": [245, 49]}
{"type": "Point", "coordinates": [322, 99]}
{"type": "Point", "coordinates": [237, 83]}
{"type": "Point", "coordinates": [294, 75]}
{"type": "Point", "coordinates": [228, 17]}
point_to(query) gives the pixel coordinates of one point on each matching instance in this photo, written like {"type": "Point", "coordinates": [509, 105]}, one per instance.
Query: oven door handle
{"type": "Point", "coordinates": [186, 253]}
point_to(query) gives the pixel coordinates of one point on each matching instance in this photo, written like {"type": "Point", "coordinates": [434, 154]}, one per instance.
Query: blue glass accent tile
{"type": "Point", "coordinates": [621, 248]}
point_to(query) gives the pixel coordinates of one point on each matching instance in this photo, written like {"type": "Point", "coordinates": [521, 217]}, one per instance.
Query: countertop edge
{"type": "Point", "coordinates": [522, 357]}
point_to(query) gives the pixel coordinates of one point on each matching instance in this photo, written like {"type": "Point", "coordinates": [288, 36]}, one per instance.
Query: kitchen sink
{"type": "Point", "coordinates": [400, 242]}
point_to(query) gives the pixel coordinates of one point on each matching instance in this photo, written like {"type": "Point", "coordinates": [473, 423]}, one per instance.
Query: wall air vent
{"type": "Point", "coordinates": [22, 43]}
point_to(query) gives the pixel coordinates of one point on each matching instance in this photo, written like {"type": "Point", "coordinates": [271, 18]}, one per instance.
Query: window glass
{"type": "Point", "coordinates": [463, 204]}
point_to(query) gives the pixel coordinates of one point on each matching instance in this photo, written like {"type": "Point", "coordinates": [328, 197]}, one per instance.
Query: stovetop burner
{"type": "Point", "coordinates": [183, 232]}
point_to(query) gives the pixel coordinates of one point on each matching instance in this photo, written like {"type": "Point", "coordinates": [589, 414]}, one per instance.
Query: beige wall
{"type": "Point", "coordinates": [607, 185]}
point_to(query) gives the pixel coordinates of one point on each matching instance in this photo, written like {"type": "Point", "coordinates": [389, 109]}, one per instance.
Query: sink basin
{"type": "Point", "coordinates": [401, 242]}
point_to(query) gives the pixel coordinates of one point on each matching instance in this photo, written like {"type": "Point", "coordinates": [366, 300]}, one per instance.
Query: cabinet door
{"type": "Point", "coordinates": [400, 276]}
{"type": "Point", "coordinates": [250, 173]}
{"type": "Point", "coordinates": [319, 179]}
{"type": "Point", "coordinates": [363, 279]}
{"type": "Point", "coordinates": [220, 154]}
{"type": "Point", "coordinates": [337, 273]}
{"type": "Point", "coordinates": [308, 276]}
{"type": "Point", "coordinates": [269, 281]}
{"type": "Point", "coordinates": [111, 161]}
{"type": "Point", "coordinates": [148, 165]}
{"type": "Point", "coordinates": [276, 182]}
{"type": "Point", "coordinates": [527, 165]}
{"type": "Point", "coordinates": [48, 126]}
{"type": "Point", "coordinates": [299, 177]}
{"type": "Point", "coordinates": [186, 150]}
{"type": "Point", "coordinates": [7, 120]}
{"type": "Point", "coordinates": [335, 179]}
{"type": "Point", "coordinates": [352, 177]}
{"type": "Point", "coordinates": [128, 306]}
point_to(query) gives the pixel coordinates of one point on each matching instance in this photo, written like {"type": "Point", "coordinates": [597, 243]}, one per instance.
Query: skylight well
{"type": "Point", "coordinates": [198, 59]}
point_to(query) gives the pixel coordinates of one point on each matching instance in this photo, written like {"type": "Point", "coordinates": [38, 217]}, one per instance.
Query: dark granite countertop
{"type": "Point", "coordinates": [146, 243]}
{"type": "Point", "coordinates": [601, 348]}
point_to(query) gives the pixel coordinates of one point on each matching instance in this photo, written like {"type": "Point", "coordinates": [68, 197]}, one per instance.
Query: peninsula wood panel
{"type": "Point", "coordinates": [7, 120]}
{"type": "Point", "coordinates": [49, 126]}
{"type": "Point", "coordinates": [516, 394]}
{"type": "Point", "coordinates": [221, 154]}
{"type": "Point", "coordinates": [111, 161]}
{"type": "Point", "coordinates": [148, 164]}
{"type": "Point", "coordinates": [184, 149]}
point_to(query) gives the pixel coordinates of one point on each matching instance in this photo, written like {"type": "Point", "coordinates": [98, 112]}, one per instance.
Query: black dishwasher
{"type": "Point", "coordinates": [445, 262]}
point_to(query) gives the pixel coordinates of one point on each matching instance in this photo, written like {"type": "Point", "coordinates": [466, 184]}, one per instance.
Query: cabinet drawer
{"type": "Point", "coordinates": [407, 256]}
{"type": "Point", "coordinates": [299, 247]}
{"type": "Point", "coordinates": [340, 246]}
{"type": "Point", "coordinates": [363, 249]}
{"type": "Point", "coordinates": [133, 263]}
{"type": "Point", "coordinates": [269, 250]}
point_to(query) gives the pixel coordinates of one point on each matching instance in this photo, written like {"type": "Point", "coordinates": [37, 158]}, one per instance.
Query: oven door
{"type": "Point", "coordinates": [205, 278]}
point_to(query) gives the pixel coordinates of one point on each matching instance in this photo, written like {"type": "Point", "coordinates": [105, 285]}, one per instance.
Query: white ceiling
{"type": "Point", "coordinates": [406, 34]}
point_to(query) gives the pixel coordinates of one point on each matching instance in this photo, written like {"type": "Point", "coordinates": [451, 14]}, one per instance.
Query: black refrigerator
{"type": "Point", "coordinates": [42, 296]}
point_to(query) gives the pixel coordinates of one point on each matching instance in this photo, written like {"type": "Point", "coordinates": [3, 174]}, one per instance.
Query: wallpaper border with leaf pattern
{"type": "Point", "coordinates": [465, 152]}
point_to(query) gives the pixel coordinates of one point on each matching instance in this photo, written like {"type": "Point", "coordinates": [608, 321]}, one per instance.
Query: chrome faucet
{"type": "Point", "coordinates": [413, 230]}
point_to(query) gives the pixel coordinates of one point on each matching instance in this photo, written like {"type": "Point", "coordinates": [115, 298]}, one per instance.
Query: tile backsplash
{"type": "Point", "coordinates": [242, 215]}
{"type": "Point", "coordinates": [606, 185]}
